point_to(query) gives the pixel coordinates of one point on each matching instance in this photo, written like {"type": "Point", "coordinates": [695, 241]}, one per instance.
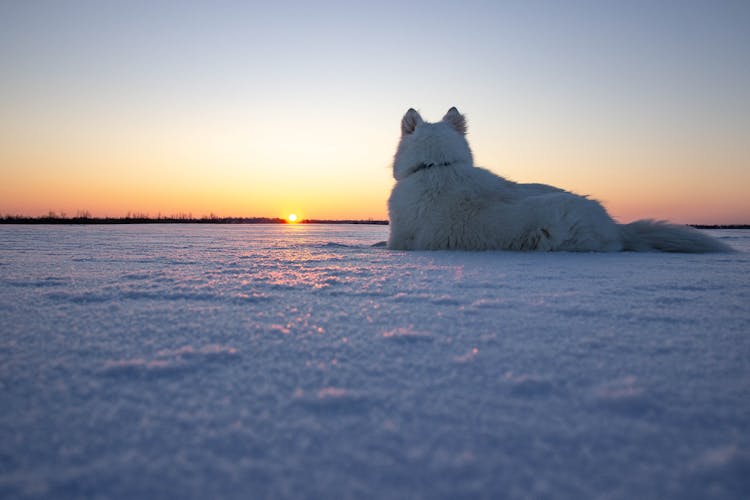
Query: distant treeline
{"type": "Point", "coordinates": [721, 226]}
{"type": "Point", "coordinates": [85, 218]}
{"type": "Point", "coordinates": [174, 219]}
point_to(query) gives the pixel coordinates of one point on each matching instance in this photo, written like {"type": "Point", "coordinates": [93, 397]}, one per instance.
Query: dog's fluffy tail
{"type": "Point", "coordinates": [660, 236]}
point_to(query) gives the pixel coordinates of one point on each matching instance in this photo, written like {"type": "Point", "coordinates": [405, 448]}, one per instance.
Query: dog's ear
{"type": "Point", "coordinates": [410, 121]}
{"type": "Point", "coordinates": [456, 120]}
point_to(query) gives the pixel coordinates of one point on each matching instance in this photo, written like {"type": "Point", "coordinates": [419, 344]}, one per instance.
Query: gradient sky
{"type": "Point", "coordinates": [265, 108]}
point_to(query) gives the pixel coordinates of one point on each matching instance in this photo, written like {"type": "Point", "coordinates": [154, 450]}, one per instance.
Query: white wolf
{"type": "Point", "coordinates": [442, 201]}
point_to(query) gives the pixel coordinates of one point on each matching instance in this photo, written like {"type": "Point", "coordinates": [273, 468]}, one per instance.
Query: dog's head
{"type": "Point", "coordinates": [426, 145]}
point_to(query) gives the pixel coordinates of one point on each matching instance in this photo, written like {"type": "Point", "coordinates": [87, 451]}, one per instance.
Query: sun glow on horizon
{"type": "Point", "coordinates": [292, 218]}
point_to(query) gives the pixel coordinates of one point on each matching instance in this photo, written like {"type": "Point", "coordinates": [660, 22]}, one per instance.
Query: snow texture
{"type": "Point", "coordinates": [297, 361]}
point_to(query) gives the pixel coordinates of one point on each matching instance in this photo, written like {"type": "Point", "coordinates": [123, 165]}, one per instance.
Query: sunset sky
{"type": "Point", "coordinates": [243, 108]}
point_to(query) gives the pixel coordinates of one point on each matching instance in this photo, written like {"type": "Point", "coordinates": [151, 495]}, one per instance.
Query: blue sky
{"type": "Point", "coordinates": [256, 108]}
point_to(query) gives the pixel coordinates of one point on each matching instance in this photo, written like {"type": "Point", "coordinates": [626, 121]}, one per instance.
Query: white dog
{"type": "Point", "coordinates": [442, 201]}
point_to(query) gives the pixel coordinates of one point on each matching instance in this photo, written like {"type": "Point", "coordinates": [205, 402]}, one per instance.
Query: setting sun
{"type": "Point", "coordinates": [292, 218]}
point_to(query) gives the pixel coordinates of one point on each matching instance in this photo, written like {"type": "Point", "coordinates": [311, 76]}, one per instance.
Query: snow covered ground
{"type": "Point", "coordinates": [296, 361]}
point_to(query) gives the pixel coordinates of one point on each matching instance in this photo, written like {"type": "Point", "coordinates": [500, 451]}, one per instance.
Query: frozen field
{"type": "Point", "coordinates": [253, 362]}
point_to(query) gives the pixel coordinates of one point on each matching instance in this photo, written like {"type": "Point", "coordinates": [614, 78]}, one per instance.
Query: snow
{"type": "Point", "coordinates": [298, 361]}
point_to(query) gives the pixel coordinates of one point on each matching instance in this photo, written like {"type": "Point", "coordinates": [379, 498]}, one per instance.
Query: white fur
{"type": "Point", "coordinates": [442, 201]}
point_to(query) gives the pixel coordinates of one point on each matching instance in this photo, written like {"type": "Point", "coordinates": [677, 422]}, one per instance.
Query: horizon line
{"type": "Point", "coordinates": [85, 218]}
{"type": "Point", "coordinates": [174, 219]}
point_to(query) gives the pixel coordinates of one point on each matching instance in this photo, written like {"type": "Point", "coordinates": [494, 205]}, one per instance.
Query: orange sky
{"type": "Point", "coordinates": [346, 174]}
